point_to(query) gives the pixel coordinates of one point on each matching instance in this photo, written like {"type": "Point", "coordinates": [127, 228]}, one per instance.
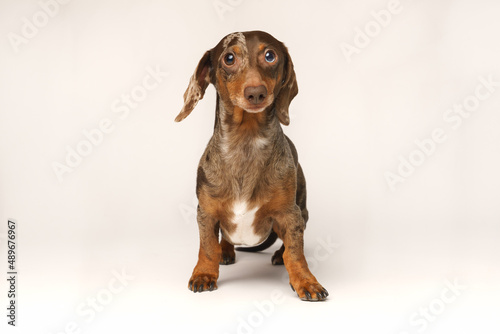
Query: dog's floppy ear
{"type": "Point", "coordinates": [197, 85]}
{"type": "Point", "coordinates": [288, 90]}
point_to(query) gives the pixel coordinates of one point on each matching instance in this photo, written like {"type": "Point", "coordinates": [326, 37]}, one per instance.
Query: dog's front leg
{"type": "Point", "coordinates": [290, 228]}
{"type": "Point", "coordinates": [206, 272]}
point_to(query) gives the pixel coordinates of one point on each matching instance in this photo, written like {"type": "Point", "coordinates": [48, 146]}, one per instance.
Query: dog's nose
{"type": "Point", "coordinates": [255, 94]}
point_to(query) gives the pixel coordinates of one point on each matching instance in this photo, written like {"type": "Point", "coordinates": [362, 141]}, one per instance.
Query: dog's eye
{"type": "Point", "coordinates": [270, 56]}
{"type": "Point", "coordinates": [229, 59]}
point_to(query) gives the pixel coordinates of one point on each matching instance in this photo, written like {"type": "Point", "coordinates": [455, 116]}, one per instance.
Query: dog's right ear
{"type": "Point", "coordinates": [288, 90]}
{"type": "Point", "coordinates": [197, 85]}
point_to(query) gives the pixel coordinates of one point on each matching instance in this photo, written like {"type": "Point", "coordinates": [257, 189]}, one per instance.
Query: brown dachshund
{"type": "Point", "coordinates": [250, 185]}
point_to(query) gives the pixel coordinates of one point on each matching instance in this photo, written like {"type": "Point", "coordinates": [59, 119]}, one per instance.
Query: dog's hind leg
{"type": "Point", "coordinates": [228, 255]}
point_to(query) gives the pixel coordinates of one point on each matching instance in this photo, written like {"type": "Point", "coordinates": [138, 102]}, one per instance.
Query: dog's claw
{"type": "Point", "coordinates": [292, 287]}
{"type": "Point", "coordinates": [308, 295]}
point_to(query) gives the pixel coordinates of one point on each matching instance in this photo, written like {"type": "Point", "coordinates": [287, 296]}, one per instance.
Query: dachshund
{"type": "Point", "coordinates": [250, 186]}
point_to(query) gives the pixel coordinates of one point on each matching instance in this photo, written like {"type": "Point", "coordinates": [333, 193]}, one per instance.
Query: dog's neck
{"type": "Point", "coordinates": [245, 142]}
{"type": "Point", "coordinates": [233, 124]}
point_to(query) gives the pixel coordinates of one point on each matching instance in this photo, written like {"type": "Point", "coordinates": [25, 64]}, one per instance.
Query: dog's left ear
{"type": "Point", "coordinates": [289, 89]}
{"type": "Point", "coordinates": [197, 85]}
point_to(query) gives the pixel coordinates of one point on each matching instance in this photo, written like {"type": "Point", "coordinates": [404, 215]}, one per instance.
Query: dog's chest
{"type": "Point", "coordinates": [242, 232]}
{"type": "Point", "coordinates": [242, 152]}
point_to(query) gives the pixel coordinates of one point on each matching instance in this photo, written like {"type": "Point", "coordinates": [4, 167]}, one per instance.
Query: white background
{"type": "Point", "coordinates": [385, 255]}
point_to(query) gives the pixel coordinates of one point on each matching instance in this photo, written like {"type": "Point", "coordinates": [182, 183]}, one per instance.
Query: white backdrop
{"type": "Point", "coordinates": [396, 123]}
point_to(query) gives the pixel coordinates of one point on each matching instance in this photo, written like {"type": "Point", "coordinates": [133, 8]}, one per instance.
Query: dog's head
{"type": "Point", "coordinates": [250, 70]}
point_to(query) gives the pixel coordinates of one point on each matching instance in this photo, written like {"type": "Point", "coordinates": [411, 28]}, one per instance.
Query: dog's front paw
{"type": "Point", "coordinates": [309, 290]}
{"type": "Point", "coordinates": [202, 282]}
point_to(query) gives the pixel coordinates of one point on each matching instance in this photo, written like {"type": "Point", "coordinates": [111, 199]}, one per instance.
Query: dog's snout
{"type": "Point", "coordinates": [255, 94]}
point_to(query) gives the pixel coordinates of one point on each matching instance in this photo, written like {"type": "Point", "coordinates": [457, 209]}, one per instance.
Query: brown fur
{"type": "Point", "coordinates": [249, 158]}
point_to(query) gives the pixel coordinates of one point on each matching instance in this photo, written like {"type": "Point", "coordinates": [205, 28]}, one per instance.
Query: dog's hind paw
{"type": "Point", "coordinates": [277, 259]}
{"type": "Point", "coordinates": [227, 258]}
{"type": "Point", "coordinates": [228, 255]}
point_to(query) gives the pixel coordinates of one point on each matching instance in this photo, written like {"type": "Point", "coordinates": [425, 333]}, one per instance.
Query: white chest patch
{"type": "Point", "coordinates": [243, 218]}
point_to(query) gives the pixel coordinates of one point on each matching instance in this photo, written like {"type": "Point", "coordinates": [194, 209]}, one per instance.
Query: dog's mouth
{"type": "Point", "coordinates": [255, 107]}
